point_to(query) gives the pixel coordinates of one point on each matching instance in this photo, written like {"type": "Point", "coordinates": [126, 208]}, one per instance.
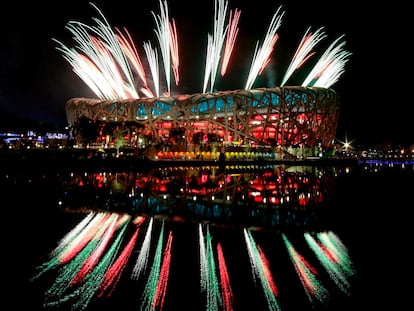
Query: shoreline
{"type": "Point", "coordinates": [85, 159]}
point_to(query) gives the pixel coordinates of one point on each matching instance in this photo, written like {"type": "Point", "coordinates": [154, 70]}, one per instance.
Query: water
{"type": "Point", "coordinates": [367, 208]}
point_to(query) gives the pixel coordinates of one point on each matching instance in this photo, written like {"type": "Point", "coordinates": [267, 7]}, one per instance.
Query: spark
{"type": "Point", "coordinates": [304, 51]}
{"type": "Point", "coordinates": [131, 52]}
{"type": "Point", "coordinates": [215, 44]}
{"type": "Point", "coordinates": [261, 55]}
{"type": "Point", "coordinates": [164, 39]}
{"type": "Point", "coordinates": [89, 72]}
{"type": "Point", "coordinates": [152, 57]}
{"type": "Point", "coordinates": [175, 58]}
{"type": "Point", "coordinates": [129, 49]}
{"type": "Point", "coordinates": [101, 62]}
{"type": "Point", "coordinates": [232, 33]}
{"type": "Point", "coordinates": [108, 61]}
{"type": "Point", "coordinates": [330, 66]}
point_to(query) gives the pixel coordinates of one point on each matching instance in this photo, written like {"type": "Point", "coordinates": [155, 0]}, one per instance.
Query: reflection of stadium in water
{"type": "Point", "coordinates": [113, 261]}
{"type": "Point", "coordinates": [272, 197]}
{"type": "Point", "coordinates": [204, 238]}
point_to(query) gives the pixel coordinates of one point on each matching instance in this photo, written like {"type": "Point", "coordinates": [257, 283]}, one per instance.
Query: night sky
{"type": "Point", "coordinates": [36, 81]}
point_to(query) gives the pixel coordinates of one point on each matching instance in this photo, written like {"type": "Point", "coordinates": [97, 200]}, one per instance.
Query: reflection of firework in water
{"type": "Point", "coordinates": [109, 63]}
{"type": "Point", "coordinates": [110, 250]}
{"type": "Point", "coordinates": [105, 261]}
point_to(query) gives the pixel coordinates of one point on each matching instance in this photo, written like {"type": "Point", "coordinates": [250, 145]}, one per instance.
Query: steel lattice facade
{"type": "Point", "coordinates": [285, 116]}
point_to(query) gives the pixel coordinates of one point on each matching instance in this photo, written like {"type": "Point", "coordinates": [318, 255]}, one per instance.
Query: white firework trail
{"type": "Point", "coordinates": [304, 51]}
{"type": "Point", "coordinates": [232, 33]}
{"type": "Point", "coordinates": [175, 57]}
{"type": "Point", "coordinates": [215, 44]}
{"type": "Point", "coordinates": [330, 66]}
{"type": "Point", "coordinates": [88, 71]}
{"type": "Point", "coordinates": [105, 32]}
{"type": "Point", "coordinates": [101, 62]}
{"type": "Point", "coordinates": [262, 55]}
{"type": "Point", "coordinates": [128, 47]}
{"type": "Point", "coordinates": [164, 38]}
{"type": "Point", "coordinates": [152, 57]}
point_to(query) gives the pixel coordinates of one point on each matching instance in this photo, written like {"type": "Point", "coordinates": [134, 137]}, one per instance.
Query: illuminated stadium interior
{"type": "Point", "coordinates": [282, 116]}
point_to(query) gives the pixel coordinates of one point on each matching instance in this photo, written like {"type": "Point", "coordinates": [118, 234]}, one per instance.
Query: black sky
{"type": "Point", "coordinates": [36, 81]}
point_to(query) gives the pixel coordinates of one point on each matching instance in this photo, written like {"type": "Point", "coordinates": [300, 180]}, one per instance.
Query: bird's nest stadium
{"type": "Point", "coordinates": [290, 117]}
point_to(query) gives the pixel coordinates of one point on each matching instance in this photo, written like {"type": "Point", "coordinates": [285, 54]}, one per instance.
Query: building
{"type": "Point", "coordinates": [285, 117]}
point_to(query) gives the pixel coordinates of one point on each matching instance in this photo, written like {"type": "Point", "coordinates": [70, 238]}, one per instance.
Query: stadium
{"type": "Point", "coordinates": [290, 118]}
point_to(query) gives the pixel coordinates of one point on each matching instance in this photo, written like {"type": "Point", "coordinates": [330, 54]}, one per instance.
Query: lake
{"type": "Point", "coordinates": [208, 238]}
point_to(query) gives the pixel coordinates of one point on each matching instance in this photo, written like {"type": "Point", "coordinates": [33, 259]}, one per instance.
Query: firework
{"type": "Point", "coordinates": [108, 61]}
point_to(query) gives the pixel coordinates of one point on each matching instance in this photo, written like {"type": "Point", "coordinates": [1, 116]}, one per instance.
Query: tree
{"type": "Point", "coordinates": [85, 131]}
